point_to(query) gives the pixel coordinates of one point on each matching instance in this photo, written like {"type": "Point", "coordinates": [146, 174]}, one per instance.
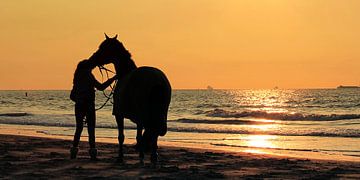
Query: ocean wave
{"type": "Point", "coordinates": [17, 114]}
{"type": "Point", "coordinates": [222, 121]}
{"type": "Point", "coordinates": [57, 124]}
{"type": "Point", "coordinates": [6, 102]}
{"type": "Point", "coordinates": [279, 115]}
{"type": "Point", "coordinates": [205, 105]}
{"type": "Point", "coordinates": [347, 133]}
{"type": "Point", "coordinates": [288, 149]}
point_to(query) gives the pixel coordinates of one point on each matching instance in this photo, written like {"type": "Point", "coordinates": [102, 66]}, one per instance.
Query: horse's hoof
{"type": "Point", "coordinates": [154, 158]}
{"type": "Point", "coordinates": [93, 154]}
{"type": "Point", "coordinates": [94, 159]}
{"type": "Point", "coordinates": [73, 152]}
{"type": "Point", "coordinates": [142, 163]}
{"type": "Point", "coordinates": [120, 160]}
{"type": "Point", "coordinates": [154, 165]}
{"type": "Point", "coordinates": [137, 147]}
{"type": "Point", "coordinates": [141, 156]}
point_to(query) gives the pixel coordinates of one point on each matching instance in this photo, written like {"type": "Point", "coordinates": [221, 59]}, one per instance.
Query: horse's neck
{"type": "Point", "coordinates": [123, 68]}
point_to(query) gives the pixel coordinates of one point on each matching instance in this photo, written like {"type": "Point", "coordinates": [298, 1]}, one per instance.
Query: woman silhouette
{"type": "Point", "coordinates": [83, 93]}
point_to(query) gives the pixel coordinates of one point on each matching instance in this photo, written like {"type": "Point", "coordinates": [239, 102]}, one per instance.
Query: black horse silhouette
{"type": "Point", "coordinates": [142, 94]}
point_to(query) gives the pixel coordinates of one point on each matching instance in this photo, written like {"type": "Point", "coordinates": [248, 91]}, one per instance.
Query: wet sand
{"type": "Point", "coordinates": [41, 157]}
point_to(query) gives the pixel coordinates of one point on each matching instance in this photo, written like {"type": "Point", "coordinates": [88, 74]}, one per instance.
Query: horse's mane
{"type": "Point", "coordinates": [113, 51]}
{"type": "Point", "coordinates": [124, 60]}
{"type": "Point", "coordinates": [115, 45]}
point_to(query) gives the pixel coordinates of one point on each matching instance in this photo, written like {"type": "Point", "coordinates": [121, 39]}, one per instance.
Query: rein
{"type": "Point", "coordinates": [108, 96]}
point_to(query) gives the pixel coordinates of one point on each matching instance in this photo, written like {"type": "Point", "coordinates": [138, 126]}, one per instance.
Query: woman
{"type": "Point", "coordinates": [83, 93]}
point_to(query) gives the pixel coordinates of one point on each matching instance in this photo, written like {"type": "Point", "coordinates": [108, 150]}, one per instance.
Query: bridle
{"type": "Point", "coordinates": [112, 87]}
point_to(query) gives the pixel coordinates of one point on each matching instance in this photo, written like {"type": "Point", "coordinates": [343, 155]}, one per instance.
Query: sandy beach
{"type": "Point", "coordinates": [29, 154]}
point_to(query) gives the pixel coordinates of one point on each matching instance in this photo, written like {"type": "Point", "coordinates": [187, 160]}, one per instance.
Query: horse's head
{"type": "Point", "coordinates": [110, 49]}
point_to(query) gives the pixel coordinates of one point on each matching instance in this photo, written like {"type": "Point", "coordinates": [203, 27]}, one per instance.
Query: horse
{"type": "Point", "coordinates": [142, 94]}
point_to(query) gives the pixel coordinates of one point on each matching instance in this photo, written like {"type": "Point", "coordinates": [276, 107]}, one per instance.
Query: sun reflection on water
{"type": "Point", "coordinates": [264, 127]}
{"type": "Point", "coordinates": [265, 121]}
{"type": "Point", "coordinates": [255, 151]}
{"type": "Point", "coordinates": [270, 101]}
{"type": "Point", "coordinates": [265, 108]}
{"type": "Point", "coordinates": [259, 144]}
{"type": "Point", "coordinates": [260, 141]}
{"type": "Point", "coordinates": [253, 141]}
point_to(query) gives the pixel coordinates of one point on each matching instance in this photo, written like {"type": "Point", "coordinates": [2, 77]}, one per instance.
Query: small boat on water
{"type": "Point", "coordinates": [348, 87]}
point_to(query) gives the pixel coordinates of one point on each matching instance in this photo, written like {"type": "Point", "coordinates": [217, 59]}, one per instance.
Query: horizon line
{"type": "Point", "coordinates": [184, 89]}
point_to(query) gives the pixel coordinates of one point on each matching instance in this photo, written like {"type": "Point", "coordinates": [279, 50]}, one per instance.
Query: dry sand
{"type": "Point", "coordinates": [40, 157]}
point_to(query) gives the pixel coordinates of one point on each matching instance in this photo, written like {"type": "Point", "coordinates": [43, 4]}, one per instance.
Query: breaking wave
{"type": "Point", "coordinates": [332, 133]}
{"type": "Point", "coordinates": [221, 121]}
{"type": "Point", "coordinates": [344, 133]}
{"type": "Point", "coordinates": [279, 115]}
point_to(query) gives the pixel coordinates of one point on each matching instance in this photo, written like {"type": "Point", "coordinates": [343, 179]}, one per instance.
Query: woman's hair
{"type": "Point", "coordinates": [82, 66]}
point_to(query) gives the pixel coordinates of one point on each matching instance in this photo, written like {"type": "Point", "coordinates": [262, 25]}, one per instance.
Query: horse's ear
{"type": "Point", "coordinates": [106, 36]}
{"type": "Point", "coordinates": [115, 36]}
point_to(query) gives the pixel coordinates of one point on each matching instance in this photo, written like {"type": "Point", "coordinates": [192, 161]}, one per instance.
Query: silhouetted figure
{"type": "Point", "coordinates": [142, 95]}
{"type": "Point", "coordinates": [83, 93]}
{"type": "Point", "coordinates": [26, 94]}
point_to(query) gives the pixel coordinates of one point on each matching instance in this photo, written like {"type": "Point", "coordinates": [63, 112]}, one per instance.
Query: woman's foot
{"type": "Point", "coordinates": [73, 152]}
{"type": "Point", "coordinates": [93, 153]}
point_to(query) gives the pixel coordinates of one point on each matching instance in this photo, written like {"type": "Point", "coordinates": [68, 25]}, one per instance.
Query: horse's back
{"type": "Point", "coordinates": [148, 77]}
{"type": "Point", "coordinates": [142, 82]}
{"type": "Point", "coordinates": [144, 97]}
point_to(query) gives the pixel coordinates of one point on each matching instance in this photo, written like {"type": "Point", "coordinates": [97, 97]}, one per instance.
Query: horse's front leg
{"type": "Point", "coordinates": [139, 142]}
{"type": "Point", "coordinates": [139, 136]}
{"type": "Point", "coordinates": [154, 148]}
{"type": "Point", "coordinates": [121, 137]}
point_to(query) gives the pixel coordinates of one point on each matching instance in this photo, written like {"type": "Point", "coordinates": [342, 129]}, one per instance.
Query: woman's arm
{"type": "Point", "coordinates": [104, 85]}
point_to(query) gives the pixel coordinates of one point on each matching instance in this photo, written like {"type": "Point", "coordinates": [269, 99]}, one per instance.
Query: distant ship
{"type": "Point", "coordinates": [348, 87]}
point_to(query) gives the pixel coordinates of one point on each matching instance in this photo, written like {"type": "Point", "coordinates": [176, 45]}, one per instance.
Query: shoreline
{"type": "Point", "coordinates": [27, 154]}
{"type": "Point", "coordinates": [55, 132]}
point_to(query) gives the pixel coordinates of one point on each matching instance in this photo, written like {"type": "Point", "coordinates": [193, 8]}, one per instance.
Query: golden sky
{"type": "Point", "coordinates": [222, 43]}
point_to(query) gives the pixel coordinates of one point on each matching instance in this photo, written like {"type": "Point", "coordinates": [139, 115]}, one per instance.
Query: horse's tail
{"type": "Point", "coordinates": [159, 102]}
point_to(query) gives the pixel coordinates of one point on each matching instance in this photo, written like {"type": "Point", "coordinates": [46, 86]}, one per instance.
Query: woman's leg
{"type": "Point", "coordinates": [79, 116]}
{"type": "Point", "coordinates": [91, 121]}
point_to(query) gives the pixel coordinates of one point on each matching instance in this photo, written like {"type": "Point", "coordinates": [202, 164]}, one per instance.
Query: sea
{"type": "Point", "coordinates": [321, 123]}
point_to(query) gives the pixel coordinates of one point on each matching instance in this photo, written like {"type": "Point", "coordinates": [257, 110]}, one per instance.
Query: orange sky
{"type": "Point", "coordinates": [225, 44]}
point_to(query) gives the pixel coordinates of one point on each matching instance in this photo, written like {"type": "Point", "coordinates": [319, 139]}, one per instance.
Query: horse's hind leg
{"type": "Point", "coordinates": [149, 142]}
{"type": "Point", "coordinates": [121, 137]}
{"type": "Point", "coordinates": [139, 142]}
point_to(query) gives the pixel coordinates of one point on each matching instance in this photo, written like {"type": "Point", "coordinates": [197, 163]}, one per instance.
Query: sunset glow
{"type": "Point", "coordinates": [225, 44]}
{"type": "Point", "coordinates": [180, 89]}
